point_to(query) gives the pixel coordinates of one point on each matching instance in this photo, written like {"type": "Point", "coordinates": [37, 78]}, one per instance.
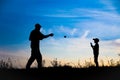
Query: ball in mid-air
{"type": "Point", "coordinates": [65, 36]}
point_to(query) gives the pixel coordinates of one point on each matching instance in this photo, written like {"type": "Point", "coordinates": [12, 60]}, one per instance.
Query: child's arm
{"type": "Point", "coordinates": [91, 45]}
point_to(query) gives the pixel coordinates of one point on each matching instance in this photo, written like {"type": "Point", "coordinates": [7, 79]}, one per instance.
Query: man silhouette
{"type": "Point", "coordinates": [95, 50]}
{"type": "Point", "coordinates": [35, 37]}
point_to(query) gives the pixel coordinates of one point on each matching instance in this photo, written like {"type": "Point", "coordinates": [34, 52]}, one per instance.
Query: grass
{"type": "Point", "coordinates": [61, 72]}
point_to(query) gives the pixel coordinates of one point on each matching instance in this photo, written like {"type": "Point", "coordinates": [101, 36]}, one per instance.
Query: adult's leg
{"type": "Point", "coordinates": [39, 60]}
{"type": "Point", "coordinates": [30, 61]}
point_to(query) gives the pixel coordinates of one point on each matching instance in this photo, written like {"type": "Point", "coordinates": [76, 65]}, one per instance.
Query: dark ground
{"type": "Point", "coordinates": [62, 73]}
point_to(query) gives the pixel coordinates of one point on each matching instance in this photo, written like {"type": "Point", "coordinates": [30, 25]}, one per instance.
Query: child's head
{"type": "Point", "coordinates": [96, 40]}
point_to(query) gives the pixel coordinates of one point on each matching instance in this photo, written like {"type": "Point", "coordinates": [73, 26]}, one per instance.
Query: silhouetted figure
{"type": "Point", "coordinates": [35, 37]}
{"type": "Point", "coordinates": [95, 50]}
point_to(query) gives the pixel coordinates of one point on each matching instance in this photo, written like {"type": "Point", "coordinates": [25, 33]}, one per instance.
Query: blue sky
{"type": "Point", "coordinates": [79, 20]}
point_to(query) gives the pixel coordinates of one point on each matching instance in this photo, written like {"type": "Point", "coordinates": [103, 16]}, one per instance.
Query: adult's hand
{"type": "Point", "coordinates": [51, 34]}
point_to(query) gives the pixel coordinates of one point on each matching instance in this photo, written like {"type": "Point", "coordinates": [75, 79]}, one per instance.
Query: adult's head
{"type": "Point", "coordinates": [37, 26]}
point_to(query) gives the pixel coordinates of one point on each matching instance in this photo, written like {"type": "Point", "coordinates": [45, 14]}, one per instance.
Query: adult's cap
{"type": "Point", "coordinates": [37, 25]}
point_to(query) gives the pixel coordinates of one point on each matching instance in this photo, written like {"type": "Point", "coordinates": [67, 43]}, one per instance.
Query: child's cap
{"type": "Point", "coordinates": [96, 39]}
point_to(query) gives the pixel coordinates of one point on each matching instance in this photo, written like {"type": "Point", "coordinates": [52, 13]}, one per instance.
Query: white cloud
{"type": "Point", "coordinates": [108, 4]}
{"type": "Point", "coordinates": [85, 34]}
{"type": "Point", "coordinates": [100, 24]}
{"type": "Point", "coordinates": [117, 41]}
{"type": "Point", "coordinates": [74, 30]}
{"type": "Point", "coordinates": [101, 15]}
{"type": "Point", "coordinates": [65, 30]}
{"type": "Point", "coordinates": [100, 29]}
{"type": "Point", "coordinates": [88, 13]}
{"type": "Point", "coordinates": [60, 15]}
